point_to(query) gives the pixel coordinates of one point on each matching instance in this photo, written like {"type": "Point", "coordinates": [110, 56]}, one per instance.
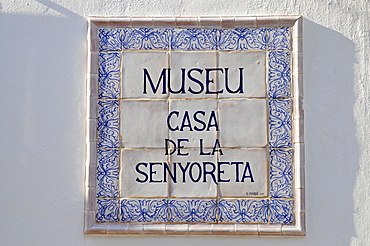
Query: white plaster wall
{"type": "Point", "coordinates": [42, 110]}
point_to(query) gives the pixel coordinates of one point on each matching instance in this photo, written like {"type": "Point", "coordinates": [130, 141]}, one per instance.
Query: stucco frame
{"type": "Point", "coordinates": [297, 228]}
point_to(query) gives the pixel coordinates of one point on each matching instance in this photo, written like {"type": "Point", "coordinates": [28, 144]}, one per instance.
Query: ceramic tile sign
{"type": "Point", "coordinates": [195, 126]}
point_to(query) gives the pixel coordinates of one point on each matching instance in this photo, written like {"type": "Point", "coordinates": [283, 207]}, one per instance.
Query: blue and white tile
{"type": "Point", "coordinates": [143, 173]}
{"type": "Point", "coordinates": [194, 39]}
{"type": "Point", "coordinates": [110, 39]}
{"type": "Point", "coordinates": [244, 74]}
{"type": "Point", "coordinates": [194, 120]}
{"type": "Point", "coordinates": [107, 210]}
{"type": "Point", "coordinates": [279, 74]}
{"type": "Point", "coordinates": [144, 210]}
{"type": "Point", "coordinates": [195, 174]}
{"type": "Point", "coordinates": [243, 211]}
{"type": "Point", "coordinates": [281, 211]}
{"type": "Point", "coordinates": [143, 123]}
{"type": "Point", "coordinates": [243, 122]}
{"type": "Point", "coordinates": [107, 173]}
{"type": "Point", "coordinates": [244, 173]}
{"type": "Point", "coordinates": [242, 39]}
{"type": "Point", "coordinates": [192, 210]}
{"type": "Point", "coordinates": [109, 75]}
{"type": "Point", "coordinates": [145, 74]}
{"type": "Point", "coordinates": [189, 78]}
{"type": "Point", "coordinates": [146, 38]}
{"type": "Point", "coordinates": [278, 38]}
{"type": "Point", "coordinates": [281, 173]}
{"type": "Point", "coordinates": [280, 123]}
{"type": "Point", "coordinates": [108, 124]}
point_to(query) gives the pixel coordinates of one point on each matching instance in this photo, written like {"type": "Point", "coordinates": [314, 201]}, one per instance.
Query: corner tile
{"type": "Point", "coordinates": [107, 210]}
{"type": "Point", "coordinates": [281, 211]}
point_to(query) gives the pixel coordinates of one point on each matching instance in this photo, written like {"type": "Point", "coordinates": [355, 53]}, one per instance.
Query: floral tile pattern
{"type": "Point", "coordinates": [144, 210]}
{"type": "Point", "coordinates": [281, 211]}
{"type": "Point", "coordinates": [109, 75]}
{"type": "Point", "coordinates": [108, 124]}
{"type": "Point", "coordinates": [244, 211]}
{"type": "Point", "coordinates": [281, 173]}
{"type": "Point", "coordinates": [107, 210]}
{"type": "Point", "coordinates": [107, 173]}
{"type": "Point", "coordinates": [280, 123]}
{"type": "Point", "coordinates": [192, 210]}
{"type": "Point", "coordinates": [242, 39]}
{"type": "Point", "coordinates": [276, 207]}
{"type": "Point", "coordinates": [279, 77]}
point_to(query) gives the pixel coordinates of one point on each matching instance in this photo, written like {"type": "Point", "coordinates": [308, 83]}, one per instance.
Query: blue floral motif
{"type": "Point", "coordinates": [194, 39]}
{"type": "Point", "coordinates": [242, 39]}
{"type": "Point", "coordinates": [243, 211]}
{"type": "Point", "coordinates": [280, 124]}
{"type": "Point", "coordinates": [108, 124]}
{"type": "Point", "coordinates": [146, 38]}
{"type": "Point", "coordinates": [278, 38]}
{"type": "Point", "coordinates": [281, 211]}
{"type": "Point", "coordinates": [279, 74]}
{"type": "Point", "coordinates": [107, 210]}
{"type": "Point", "coordinates": [281, 173]}
{"type": "Point", "coordinates": [110, 39]}
{"type": "Point", "coordinates": [109, 75]}
{"type": "Point", "coordinates": [192, 210]}
{"type": "Point", "coordinates": [107, 173]}
{"type": "Point", "coordinates": [144, 210]}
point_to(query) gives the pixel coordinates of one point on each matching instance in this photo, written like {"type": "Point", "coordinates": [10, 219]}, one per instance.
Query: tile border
{"type": "Point", "coordinates": [296, 228]}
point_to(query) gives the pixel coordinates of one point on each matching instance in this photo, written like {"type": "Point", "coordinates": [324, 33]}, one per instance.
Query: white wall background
{"type": "Point", "coordinates": [42, 110]}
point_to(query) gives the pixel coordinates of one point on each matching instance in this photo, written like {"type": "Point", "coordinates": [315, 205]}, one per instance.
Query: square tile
{"type": "Point", "coordinates": [194, 74]}
{"type": "Point", "coordinates": [244, 173]}
{"type": "Point", "coordinates": [244, 74]}
{"type": "Point", "coordinates": [281, 211]}
{"type": "Point", "coordinates": [145, 74]}
{"type": "Point", "coordinates": [107, 210]}
{"type": "Point", "coordinates": [196, 174]}
{"type": "Point", "coordinates": [143, 173]}
{"type": "Point", "coordinates": [143, 123]}
{"type": "Point", "coordinates": [194, 121]}
{"type": "Point", "coordinates": [243, 123]}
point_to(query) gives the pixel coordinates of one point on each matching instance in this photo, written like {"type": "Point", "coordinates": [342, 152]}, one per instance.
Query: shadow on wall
{"type": "Point", "coordinates": [330, 133]}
